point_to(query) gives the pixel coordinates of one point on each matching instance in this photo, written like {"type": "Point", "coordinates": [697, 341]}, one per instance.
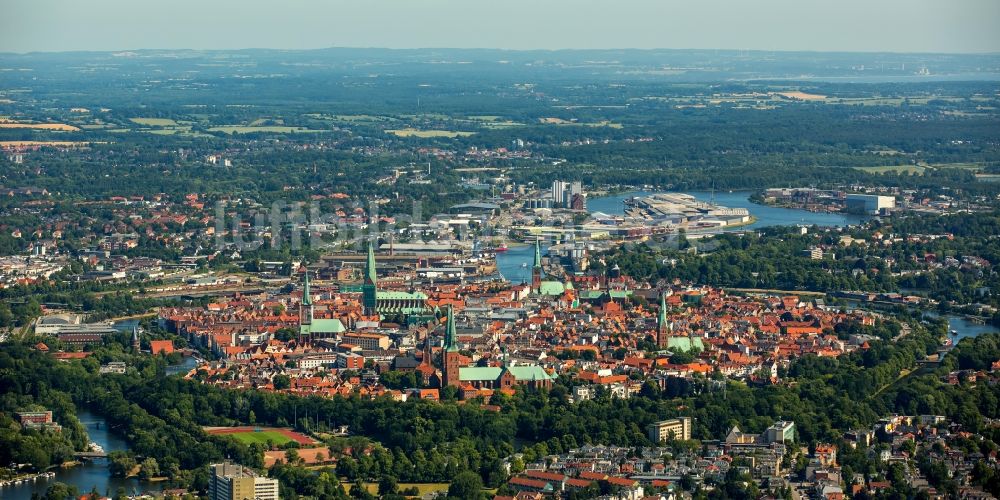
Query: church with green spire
{"type": "Point", "coordinates": [309, 326]}
{"type": "Point", "coordinates": [663, 326]}
{"type": "Point", "coordinates": [451, 372]}
{"type": "Point", "coordinates": [486, 377]}
{"type": "Point", "coordinates": [369, 290]}
{"type": "Point", "coordinates": [549, 288]}
{"type": "Point", "coordinates": [382, 303]}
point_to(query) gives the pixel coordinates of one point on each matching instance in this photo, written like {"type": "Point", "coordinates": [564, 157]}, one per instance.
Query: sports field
{"type": "Point", "coordinates": [261, 437]}
{"type": "Point", "coordinates": [250, 435]}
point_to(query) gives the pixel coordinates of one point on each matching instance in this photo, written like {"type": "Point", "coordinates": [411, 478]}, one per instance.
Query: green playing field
{"type": "Point", "coordinates": [261, 437]}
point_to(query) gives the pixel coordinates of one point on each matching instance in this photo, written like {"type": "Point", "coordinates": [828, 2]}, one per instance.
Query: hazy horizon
{"type": "Point", "coordinates": [898, 26]}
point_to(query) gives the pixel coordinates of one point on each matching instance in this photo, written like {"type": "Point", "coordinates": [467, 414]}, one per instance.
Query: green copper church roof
{"type": "Point", "coordinates": [551, 288]}
{"type": "Point", "coordinates": [538, 255]}
{"type": "Point", "coordinates": [596, 294]}
{"type": "Point", "coordinates": [483, 373]}
{"type": "Point", "coordinates": [322, 326]}
{"type": "Point", "coordinates": [397, 295]}
{"type": "Point", "coordinates": [685, 343]}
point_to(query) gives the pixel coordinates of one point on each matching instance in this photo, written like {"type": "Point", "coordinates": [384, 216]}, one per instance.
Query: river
{"type": "Point", "coordinates": [93, 474]}
{"type": "Point", "coordinates": [90, 474]}
{"type": "Point", "coordinates": [964, 328]}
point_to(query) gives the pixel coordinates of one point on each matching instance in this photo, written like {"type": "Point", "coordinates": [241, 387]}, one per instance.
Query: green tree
{"type": "Point", "coordinates": [466, 485]}
{"type": "Point", "coordinates": [387, 485]}
{"type": "Point", "coordinates": [150, 468]}
{"type": "Point", "coordinates": [60, 491]}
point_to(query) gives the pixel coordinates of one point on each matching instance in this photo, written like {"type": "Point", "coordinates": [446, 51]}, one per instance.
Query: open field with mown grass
{"type": "Point", "coordinates": [154, 122]}
{"type": "Point", "coordinates": [918, 169]}
{"type": "Point", "coordinates": [424, 488]}
{"type": "Point", "coordinates": [261, 437]}
{"type": "Point", "coordinates": [424, 134]}
{"type": "Point", "coordinates": [899, 169]}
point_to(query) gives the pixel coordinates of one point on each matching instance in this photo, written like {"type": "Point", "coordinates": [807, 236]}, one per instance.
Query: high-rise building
{"type": "Point", "coordinates": [558, 193]}
{"type": "Point", "coordinates": [564, 193]}
{"type": "Point", "coordinates": [235, 482]}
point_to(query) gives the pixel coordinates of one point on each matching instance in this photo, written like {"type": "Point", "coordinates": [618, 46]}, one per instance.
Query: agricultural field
{"type": "Point", "coordinates": [61, 127]}
{"type": "Point", "coordinates": [802, 96]}
{"type": "Point", "coordinates": [560, 121]}
{"type": "Point", "coordinates": [424, 134]}
{"type": "Point", "coordinates": [492, 122]}
{"type": "Point", "coordinates": [154, 122]}
{"type": "Point", "coordinates": [30, 144]}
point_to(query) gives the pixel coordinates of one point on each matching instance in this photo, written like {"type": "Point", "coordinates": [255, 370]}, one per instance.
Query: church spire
{"type": "Point", "coordinates": [369, 290]}
{"type": "Point", "coordinates": [306, 310]}
{"type": "Point", "coordinates": [536, 269]}
{"type": "Point", "coordinates": [662, 325]}
{"type": "Point", "coordinates": [450, 337]}
{"type": "Point", "coordinates": [370, 274]}
{"type": "Point", "coordinates": [306, 293]}
{"type": "Point", "coordinates": [135, 338]}
{"type": "Point", "coordinates": [661, 321]}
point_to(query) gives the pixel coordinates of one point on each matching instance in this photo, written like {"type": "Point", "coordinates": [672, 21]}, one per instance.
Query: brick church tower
{"type": "Point", "coordinates": [452, 358]}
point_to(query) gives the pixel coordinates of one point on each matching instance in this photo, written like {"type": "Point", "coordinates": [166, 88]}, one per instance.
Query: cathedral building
{"type": "Point", "coordinates": [471, 378]}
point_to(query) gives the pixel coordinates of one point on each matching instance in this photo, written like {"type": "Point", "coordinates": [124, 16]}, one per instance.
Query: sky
{"type": "Point", "coordinates": [955, 26]}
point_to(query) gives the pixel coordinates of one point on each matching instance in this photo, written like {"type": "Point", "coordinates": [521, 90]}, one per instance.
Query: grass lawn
{"type": "Point", "coordinates": [154, 122]}
{"type": "Point", "coordinates": [412, 132]}
{"type": "Point", "coordinates": [260, 437]}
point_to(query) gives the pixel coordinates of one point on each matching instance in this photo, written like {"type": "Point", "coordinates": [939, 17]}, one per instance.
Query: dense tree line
{"type": "Point", "coordinates": [775, 258]}
{"type": "Point", "coordinates": [162, 417]}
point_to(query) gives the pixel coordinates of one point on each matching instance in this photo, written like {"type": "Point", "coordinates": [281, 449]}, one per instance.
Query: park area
{"type": "Point", "coordinates": [249, 434]}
